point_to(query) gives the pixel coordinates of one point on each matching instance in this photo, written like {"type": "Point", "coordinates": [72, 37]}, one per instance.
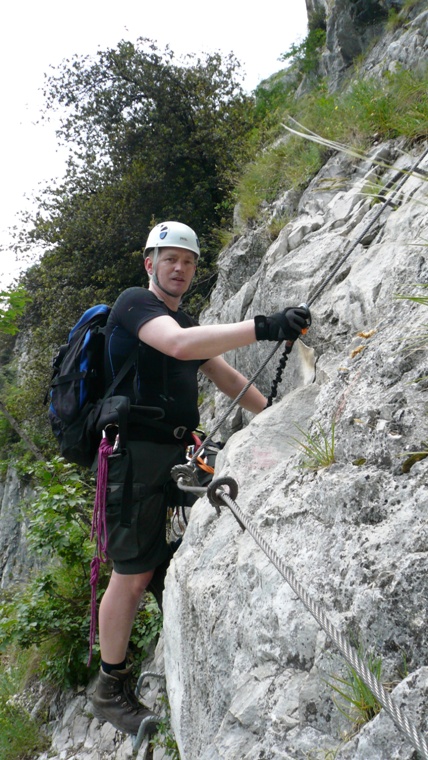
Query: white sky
{"type": "Point", "coordinates": [38, 34]}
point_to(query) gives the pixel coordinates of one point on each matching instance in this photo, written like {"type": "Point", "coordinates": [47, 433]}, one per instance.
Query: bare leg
{"type": "Point", "coordinates": [113, 698]}
{"type": "Point", "coordinates": [117, 613]}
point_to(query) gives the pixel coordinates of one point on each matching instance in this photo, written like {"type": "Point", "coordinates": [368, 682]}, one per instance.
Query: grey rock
{"type": "Point", "coordinates": [247, 665]}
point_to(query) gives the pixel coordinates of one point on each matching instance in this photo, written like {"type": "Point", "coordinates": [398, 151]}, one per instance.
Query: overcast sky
{"type": "Point", "coordinates": [39, 34]}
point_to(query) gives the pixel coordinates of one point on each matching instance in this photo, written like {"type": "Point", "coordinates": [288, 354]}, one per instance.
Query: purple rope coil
{"type": "Point", "coordinates": [99, 531]}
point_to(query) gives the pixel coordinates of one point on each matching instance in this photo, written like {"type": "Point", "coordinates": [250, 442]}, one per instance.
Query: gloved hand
{"type": "Point", "coordinates": [285, 325]}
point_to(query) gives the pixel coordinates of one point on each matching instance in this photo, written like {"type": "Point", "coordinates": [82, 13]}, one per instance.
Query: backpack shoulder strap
{"type": "Point", "coordinates": [121, 374]}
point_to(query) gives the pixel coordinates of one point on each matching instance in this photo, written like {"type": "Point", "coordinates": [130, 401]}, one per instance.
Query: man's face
{"type": "Point", "coordinates": [175, 269]}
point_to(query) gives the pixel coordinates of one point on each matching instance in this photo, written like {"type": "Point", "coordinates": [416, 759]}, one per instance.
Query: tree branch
{"type": "Point", "coordinates": [18, 429]}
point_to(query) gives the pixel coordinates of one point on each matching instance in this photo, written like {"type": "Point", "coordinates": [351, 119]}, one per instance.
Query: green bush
{"type": "Point", "coordinates": [306, 56]}
{"type": "Point", "coordinates": [288, 165]}
{"type": "Point", "coordinates": [52, 611]}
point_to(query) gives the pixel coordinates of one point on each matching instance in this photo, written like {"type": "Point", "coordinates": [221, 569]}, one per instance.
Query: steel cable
{"type": "Point", "coordinates": [387, 202]}
{"type": "Point", "coordinates": [235, 402]}
{"type": "Point", "coordinates": [400, 719]}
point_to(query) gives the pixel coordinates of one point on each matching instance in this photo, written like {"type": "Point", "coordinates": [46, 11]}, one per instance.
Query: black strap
{"type": "Point", "coordinates": [143, 425]}
{"type": "Point", "coordinates": [121, 374]}
{"type": "Point", "coordinates": [68, 378]}
{"type": "Point", "coordinates": [127, 493]}
{"type": "Point", "coordinates": [82, 374]}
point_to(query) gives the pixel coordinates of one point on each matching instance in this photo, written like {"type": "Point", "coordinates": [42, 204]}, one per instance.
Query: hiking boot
{"type": "Point", "coordinates": [114, 701]}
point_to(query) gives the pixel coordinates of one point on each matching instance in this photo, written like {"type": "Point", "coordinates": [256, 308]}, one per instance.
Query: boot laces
{"type": "Point", "coordinates": [130, 697]}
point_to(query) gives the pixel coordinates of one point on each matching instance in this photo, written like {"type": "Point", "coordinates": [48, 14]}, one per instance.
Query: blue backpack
{"type": "Point", "coordinates": [77, 387]}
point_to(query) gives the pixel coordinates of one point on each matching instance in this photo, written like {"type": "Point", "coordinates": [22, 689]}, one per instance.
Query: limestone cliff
{"type": "Point", "coordinates": [248, 668]}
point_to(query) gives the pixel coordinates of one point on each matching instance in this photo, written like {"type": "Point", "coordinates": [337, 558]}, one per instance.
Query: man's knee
{"type": "Point", "coordinates": [133, 585]}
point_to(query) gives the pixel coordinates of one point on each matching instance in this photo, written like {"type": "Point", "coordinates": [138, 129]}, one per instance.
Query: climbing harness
{"type": "Point", "coordinates": [185, 477]}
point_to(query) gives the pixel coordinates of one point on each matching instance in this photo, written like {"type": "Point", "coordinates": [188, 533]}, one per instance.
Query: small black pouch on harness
{"type": "Point", "coordinates": [113, 418]}
{"type": "Point", "coordinates": [119, 421]}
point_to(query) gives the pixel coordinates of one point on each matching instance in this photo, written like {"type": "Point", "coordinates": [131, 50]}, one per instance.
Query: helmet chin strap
{"type": "Point", "coordinates": [155, 277]}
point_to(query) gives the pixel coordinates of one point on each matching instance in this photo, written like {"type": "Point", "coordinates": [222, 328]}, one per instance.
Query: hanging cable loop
{"type": "Point", "coordinates": [186, 473]}
{"type": "Point", "coordinates": [186, 477]}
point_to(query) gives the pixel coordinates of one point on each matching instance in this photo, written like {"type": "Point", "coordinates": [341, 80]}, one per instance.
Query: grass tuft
{"type": "Point", "coordinates": [350, 121]}
{"type": "Point", "coordinates": [317, 447]}
{"type": "Point", "coordinates": [358, 704]}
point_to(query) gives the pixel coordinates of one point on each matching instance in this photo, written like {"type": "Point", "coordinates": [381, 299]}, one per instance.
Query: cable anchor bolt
{"type": "Point", "coordinates": [185, 472]}
{"type": "Point", "coordinates": [215, 492]}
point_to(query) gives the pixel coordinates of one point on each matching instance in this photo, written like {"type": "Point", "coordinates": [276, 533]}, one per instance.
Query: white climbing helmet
{"type": "Point", "coordinates": [172, 235]}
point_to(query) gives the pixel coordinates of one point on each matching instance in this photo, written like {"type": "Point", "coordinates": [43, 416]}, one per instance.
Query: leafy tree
{"type": "Point", "coordinates": [149, 139]}
{"type": "Point", "coordinates": [51, 612]}
{"type": "Point", "coordinates": [12, 306]}
{"type": "Point", "coordinates": [306, 55]}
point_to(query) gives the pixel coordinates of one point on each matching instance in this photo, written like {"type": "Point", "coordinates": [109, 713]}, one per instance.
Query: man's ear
{"type": "Point", "coordinates": [148, 265]}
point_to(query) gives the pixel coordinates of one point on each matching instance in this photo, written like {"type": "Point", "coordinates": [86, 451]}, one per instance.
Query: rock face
{"type": "Point", "coordinates": [14, 559]}
{"type": "Point", "coordinates": [76, 735]}
{"type": "Point", "coordinates": [353, 26]}
{"type": "Point", "coordinates": [248, 667]}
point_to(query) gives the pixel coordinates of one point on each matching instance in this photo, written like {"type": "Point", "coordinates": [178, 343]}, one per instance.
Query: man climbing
{"type": "Point", "coordinates": [172, 348]}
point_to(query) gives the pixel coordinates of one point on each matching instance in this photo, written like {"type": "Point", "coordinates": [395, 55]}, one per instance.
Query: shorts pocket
{"type": "Point", "coordinates": [151, 488]}
{"type": "Point", "coordinates": [148, 519]}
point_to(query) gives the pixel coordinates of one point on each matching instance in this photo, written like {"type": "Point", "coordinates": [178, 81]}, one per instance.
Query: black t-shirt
{"type": "Point", "coordinates": [158, 380]}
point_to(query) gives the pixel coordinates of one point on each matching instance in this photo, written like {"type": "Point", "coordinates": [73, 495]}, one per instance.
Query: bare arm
{"type": "Point", "coordinates": [231, 382]}
{"type": "Point", "coordinates": [204, 342]}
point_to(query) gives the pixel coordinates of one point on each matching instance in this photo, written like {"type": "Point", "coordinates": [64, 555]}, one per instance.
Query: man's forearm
{"type": "Point", "coordinates": [232, 385]}
{"type": "Point", "coordinates": [253, 400]}
{"type": "Point", "coordinates": [204, 342]}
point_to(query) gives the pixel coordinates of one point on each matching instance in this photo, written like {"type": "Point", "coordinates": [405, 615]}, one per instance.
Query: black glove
{"type": "Point", "coordinates": [286, 325]}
